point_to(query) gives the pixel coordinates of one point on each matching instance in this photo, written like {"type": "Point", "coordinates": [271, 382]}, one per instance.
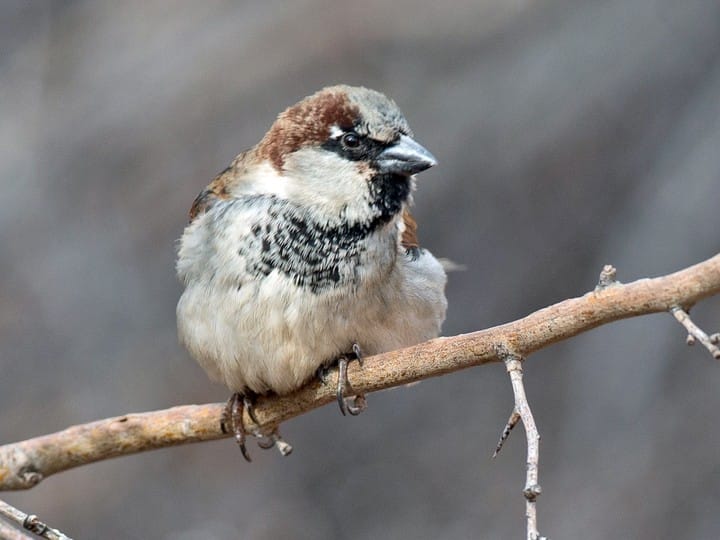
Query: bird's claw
{"type": "Point", "coordinates": [232, 421]}
{"type": "Point", "coordinates": [358, 354]}
{"type": "Point", "coordinates": [359, 404]}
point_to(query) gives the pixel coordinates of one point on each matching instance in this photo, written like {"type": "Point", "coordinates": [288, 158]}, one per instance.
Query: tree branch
{"type": "Point", "coordinates": [26, 463]}
{"type": "Point", "coordinates": [8, 532]}
{"type": "Point", "coordinates": [28, 522]}
{"type": "Point", "coordinates": [696, 333]}
{"type": "Point", "coordinates": [522, 411]}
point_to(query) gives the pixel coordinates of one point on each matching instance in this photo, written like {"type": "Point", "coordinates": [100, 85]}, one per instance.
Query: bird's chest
{"type": "Point", "coordinates": [296, 295]}
{"type": "Point", "coordinates": [317, 258]}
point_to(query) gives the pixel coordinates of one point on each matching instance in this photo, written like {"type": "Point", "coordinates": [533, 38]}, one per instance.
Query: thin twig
{"type": "Point", "coordinates": [696, 333]}
{"type": "Point", "coordinates": [8, 532]}
{"type": "Point", "coordinates": [30, 522]}
{"type": "Point", "coordinates": [24, 464]}
{"type": "Point", "coordinates": [532, 490]}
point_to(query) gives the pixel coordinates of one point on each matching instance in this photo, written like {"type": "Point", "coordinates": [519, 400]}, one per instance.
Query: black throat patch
{"type": "Point", "coordinates": [313, 254]}
{"type": "Point", "coordinates": [388, 192]}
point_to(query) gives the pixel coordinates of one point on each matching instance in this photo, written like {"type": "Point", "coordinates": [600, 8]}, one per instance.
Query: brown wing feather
{"type": "Point", "coordinates": [217, 189]}
{"type": "Point", "coordinates": [409, 239]}
{"type": "Point", "coordinates": [205, 200]}
{"type": "Point", "coordinates": [202, 202]}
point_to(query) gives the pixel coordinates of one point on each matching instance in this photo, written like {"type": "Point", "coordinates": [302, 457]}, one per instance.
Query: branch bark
{"type": "Point", "coordinates": [28, 522]}
{"type": "Point", "coordinates": [24, 464]}
{"type": "Point", "coordinates": [8, 532]}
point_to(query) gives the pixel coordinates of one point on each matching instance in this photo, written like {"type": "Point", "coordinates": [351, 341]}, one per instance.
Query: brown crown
{"type": "Point", "coordinates": [307, 123]}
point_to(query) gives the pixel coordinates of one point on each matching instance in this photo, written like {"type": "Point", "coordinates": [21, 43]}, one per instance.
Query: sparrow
{"type": "Point", "coordinates": [303, 253]}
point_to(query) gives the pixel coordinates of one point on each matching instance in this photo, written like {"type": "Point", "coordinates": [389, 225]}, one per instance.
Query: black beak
{"type": "Point", "coordinates": [405, 157]}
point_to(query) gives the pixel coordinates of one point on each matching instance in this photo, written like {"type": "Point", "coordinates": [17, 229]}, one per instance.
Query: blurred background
{"type": "Point", "coordinates": [570, 134]}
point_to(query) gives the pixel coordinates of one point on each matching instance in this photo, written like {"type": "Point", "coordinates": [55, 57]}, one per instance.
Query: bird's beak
{"type": "Point", "coordinates": [405, 157]}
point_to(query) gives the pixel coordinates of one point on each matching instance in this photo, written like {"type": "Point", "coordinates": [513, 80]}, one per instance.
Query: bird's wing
{"type": "Point", "coordinates": [218, 189]}
{"type": "Point", "coordinates": [409, 239]}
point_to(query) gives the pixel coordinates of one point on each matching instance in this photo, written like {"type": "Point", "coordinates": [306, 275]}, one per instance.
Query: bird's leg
{"type": "Point", "coordinates": [343, 385]}
{"type": "Point", "coordinates": [249, 404]}
{"type": "Point", "coordinates": [358, 354]}
{"type": "Point", "coordinates": [232, 418]}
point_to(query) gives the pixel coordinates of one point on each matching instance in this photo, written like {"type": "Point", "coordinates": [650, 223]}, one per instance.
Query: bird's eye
{"type": "Point", "coordinates": [350, 140]}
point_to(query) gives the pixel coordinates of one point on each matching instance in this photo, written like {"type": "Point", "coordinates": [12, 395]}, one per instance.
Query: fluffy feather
{"type": "Point", "coordinates": [304, 246]}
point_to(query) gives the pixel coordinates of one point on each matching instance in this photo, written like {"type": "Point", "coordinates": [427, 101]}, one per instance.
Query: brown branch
{"type": "Point", "coordinates": [24, 464]}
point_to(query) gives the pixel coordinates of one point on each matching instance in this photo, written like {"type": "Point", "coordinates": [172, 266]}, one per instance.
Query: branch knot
{"type": "Point", "coordinates": [607, 277]}
{"type": "Point", "coordinates": [531, 492]}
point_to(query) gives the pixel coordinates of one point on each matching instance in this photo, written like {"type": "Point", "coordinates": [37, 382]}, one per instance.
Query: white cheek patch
{"type": "Point", "coordinates": [263, 180]}
{"type": "Point", "coordinates": [319, 178]}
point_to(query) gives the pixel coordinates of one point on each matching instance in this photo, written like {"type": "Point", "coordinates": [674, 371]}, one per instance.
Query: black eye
{"type": "Point", "coordinates": [350, 140]}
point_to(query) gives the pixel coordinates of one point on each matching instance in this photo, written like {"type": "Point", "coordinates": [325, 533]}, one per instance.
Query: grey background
{"type": "Point", "coordinates": [570, 134]}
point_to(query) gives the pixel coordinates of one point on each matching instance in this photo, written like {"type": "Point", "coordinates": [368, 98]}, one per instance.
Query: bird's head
{"type": "Point", "coordinates": [347, 151]}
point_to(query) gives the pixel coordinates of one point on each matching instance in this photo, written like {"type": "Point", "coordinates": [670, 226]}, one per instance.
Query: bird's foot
{"type": "Point", "coordinates": [359, 404]}
{"type": "Point", "coordinates": [232, 421]}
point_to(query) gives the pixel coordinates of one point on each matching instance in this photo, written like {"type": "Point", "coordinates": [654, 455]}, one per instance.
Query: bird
{"type": "Point", "coordinates": [303, 254]}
